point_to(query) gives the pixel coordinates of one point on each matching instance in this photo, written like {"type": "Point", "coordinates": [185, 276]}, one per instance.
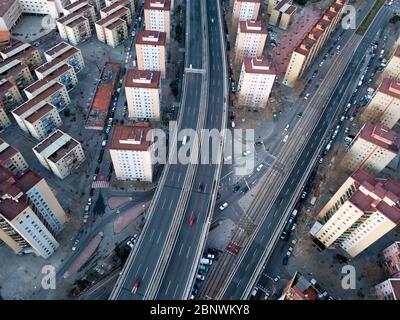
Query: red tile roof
{"type": "Point", "coordinates": [381, 135]}
{"type": "Point", "coordinates": [132, 137]}
{"type": "Point", "coordinates": [154, 38]}
{"type": "Point", "coordinates": [143, 79]}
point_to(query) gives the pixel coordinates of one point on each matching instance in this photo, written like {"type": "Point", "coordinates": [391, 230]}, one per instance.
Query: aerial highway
{"type": "Point", "coordinates": [179, 276]}
{"type": "Point", "coordinates": [279, 191]}
{"type": "Point", "coordinates": [145, 262]}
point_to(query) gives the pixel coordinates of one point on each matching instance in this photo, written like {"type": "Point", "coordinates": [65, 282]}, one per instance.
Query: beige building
{"type": "Point", "coordinates": [150, 51]}
{"type": "Point", "coordinates": [65, 75]}
{"type": "Point", "coordinates": [97, 4]}
{"type": "Point", "coordinates": [303, 56]}
{"type": "Point", "coordinates": [10, 97]}
{"type": "Point", "coordinates": [157, 16]}
{"type": "Point", "coordinates": [12, 159]}
{"type": "Point", "coordinates": [53, 8]}
{"type": "Point", "coordinates": [362, 211]}
{"type": "Point", "coordinates": [113, 29]}
{"type": "Point", "coordinates": [60, 153]}
{"type": "Point", "coordinates": [16, 72]}
{"type": "Point", "coordinates": [372, 149]}
{"type": "Point", "coordinates": [110, 8]}
{"type": "Point", "coordinates": [142, 90]}
{"type": "Point", "coordinates": [10, 14]}
{"type": "Point", "coordinates": [391, 260]}
{"type": "Point", "coordinates": [23, 52]}
{"type": "Point", "coordinates": [392, 70]}
{"type": "Point", "coordinates": [282, 14]}
{"type": "Point", "coordinates": [388, 290]}
{"type": "Point", "coordinates": [250, 40]}
{"type": "Point", "coordinates": [4, 119]}
{"type": "Point", "coordinates": [30, 215]}
{"type": "Point", "coordinates": [244, 10]}
{"type": "Point", "coordinates": [255, 82]}
{"type": "Point", "coordinates": [75, 27]}
{"type": "Point", "coordinates": [385, 105]}
{"type": "Point", "coordinates": [131, 151]}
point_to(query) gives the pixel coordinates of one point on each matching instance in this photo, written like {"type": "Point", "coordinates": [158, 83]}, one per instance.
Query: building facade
{"type": "Point", "coordinates": [282, 14]}
{"type": "Point", "coordinates": [10, 97]}
{"type": "Point", "coordinates": [60, 154]}
{"type": "Point", "coordinates": [142, 90]}
{"type": "Point", "coordinates": [392, 70]}
{"type": "Point", "coordinates": [255, 82]}
{"type": "Point", "coordinates": [157, 16]}
{"type": "Point", "coordinates": [12, 159]}
{"type": "Point", "coordinates": [23, 52]}
{"type": "Point", "coordinates": [131, 151]}
{"type": "Point", "coordinates": [372, 149]}
{"type": "Point", "coordinates": [244, 10]}
{"type": "Point", "coordinates": [391, 260]}
{"type": "Point", "coordinates": [16, 72]}
{"type": "Point", "coordinates": [53, 8]}
{"type": "Point", "coordinates": [388, 290]}
{"type": "Point", "coordinates": [113, 29]}
{"type": "Point", "coordinates": [362, 211]}
{"type": "Point", "coordinates": [150, 51]}
{"type": "Point", "coordinates": [10, 14]}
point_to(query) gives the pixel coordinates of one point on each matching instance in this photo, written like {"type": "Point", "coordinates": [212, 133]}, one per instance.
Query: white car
{"type": "Point", "coordinates": [89, 201]}
{"type": "Point", "coordinates": [223, 206]}
{"type": "Point", "coordinates": [260, 167]}
{"type": "Point", "coordinates": [287, 127]}
{"type": "Point", "coordinates": [285, 138]}
{"type": "Point", "coordinates": [200, 277]}
{"type": "Point", "coordinates": [322, 63]}
{"type": "Point", "coordinates": [246, 153]}
{"type": "Point", "coordinates": [227, 158]}
{"type": "Point", "coordinates": [130, 244]}
{"type": "Point", "coordinates": [306, 96]}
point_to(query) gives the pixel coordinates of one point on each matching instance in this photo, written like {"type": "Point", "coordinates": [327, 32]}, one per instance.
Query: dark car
{"type": "Point", "coordinates": [200, 188]}
{"type": "Point", "coordinates": [285, 260]}
{"type": "Point", "coordinates": [96, 171]}
{"type": "Point", "coordinates": [236, 188]}
{"type": "Point", "coordinates": [245, 189]}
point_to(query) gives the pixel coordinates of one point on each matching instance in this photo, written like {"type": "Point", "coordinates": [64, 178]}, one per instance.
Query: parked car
{"type": "Point", "coordinates": [223, 206]}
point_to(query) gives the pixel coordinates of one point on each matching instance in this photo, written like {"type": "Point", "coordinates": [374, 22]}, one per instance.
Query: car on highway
{"type": "Point", "coordinates": [200, 188]}
{"type": "Point", "coordinates": [192, 220]}
{"type": "Point", "coordinates": [136, 286]}
{"type": "Point", "coordinates": [226, 159]}
{"type": "Point", "coordinates": [246, 153]}
{"type": "Point", "coordinates": [223, 206]}
{"type": "Point", "coordinates": [260, 167]}
{"type": "Point", "coordinates": [285, 138]}
{"type": "Point", "coordinates": [285, 260]}
{"type": "Point", "coordinates": [200, 277]}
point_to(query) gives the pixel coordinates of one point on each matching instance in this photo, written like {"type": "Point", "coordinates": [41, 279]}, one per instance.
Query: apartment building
{"type": "Point", "coordinates": [303, 56]}
{"type": "Point", "coordinates": [244, 10]}
{"type": "Point", "coordinates": [255, 82]}
{"type": "Point", "coordinates": [363, 210]}
{"type": "Point", "coordinates": [388, 290]}
{"type": "Point", "coordinates": [16, 72]}
{"type": "Point", "coordinates": [54, 8]}
{"type": "Point", "coordinates": [113, 29]}
{"type": "Point", "coordinates": [30, 214]}
{"type": "Point", "coordinates": [37, 118]}
{"type": "Point", "coordinates": [282, 14]}
{"type": "Point", "coordinates": [250, 40]}
{"type": "Point", "coordinates": [97, 4]}
{"type": "Point", "coordinates": [64, 74]}
{"type": "Point", "coordinates": [392, 70]}
{"type": "Point", "coordinates": [142, 90]}
{"type": "Point", "coordinates": [23, 52]}
{"type": "Point", "coordinates": [131, 151]}
{"type": "Point", "coordinates": [157, 16]}
{"type": "Point", "coordinates": [58, 56]}
{"type": "Point", "coordinates": [60, 154]}
{"type": "Point", "coordinates": [391, 260]}
{"type": "Point", "coordinates": [4, 119]}
{"type": "Point", "coordinates": [300, 288]}
{"type": "Point", "coordinates": [12, 159]}
{"type": "Point", "coordinates": [10, 14]}
{"type": "Point", "coordinates": [75, 27]}
{"type": "Point", "coordinates": [114, 6]}
{"type": "Point", "coordinates": [384, 107]}
{"type": "Point", "coordinates": [10, 97]}
{"type": "Point", "coordinates": [372, 149]}
{"type": "Point", "coordinates": [150, 51]}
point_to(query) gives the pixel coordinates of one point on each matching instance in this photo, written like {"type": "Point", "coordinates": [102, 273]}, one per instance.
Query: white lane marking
{"type": "Point", "coordinates": [187, 254]}
{"type": "Point", "coordinates": [144, 275]}
{"type": "Point", "coordinates": [176, 289]}
{"type": "Point", "coordinates": [166, 291]}
{"type": "Point", "coordinates": [170, 205]}
{"type": "Point", "coordinates": [152, 234]}
{"type": "Point", "coordinates": [180, 250]}
{"type": "Point", "coordinates": [269, 224]}
{"type": "Point", "coordinates": [159, 236]}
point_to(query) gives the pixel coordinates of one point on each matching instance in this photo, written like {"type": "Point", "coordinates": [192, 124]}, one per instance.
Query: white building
{"type": "Point", "coordinates": [156, 15]}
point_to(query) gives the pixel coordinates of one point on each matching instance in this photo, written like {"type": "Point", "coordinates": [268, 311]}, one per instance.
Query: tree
{"type": "Point", "coordinates": [301, 2]}
{"type": "Point", "coordinates": [67, 112]}
{"type": "Point", "coordinates": [178, 33]}
{"type": "Point", "coordinates": [174, 87]}
{"type": "Point", "coordinates": [394, 19]}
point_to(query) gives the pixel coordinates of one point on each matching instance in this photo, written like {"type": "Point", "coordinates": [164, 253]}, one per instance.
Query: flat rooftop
{"type": "Point", "coordinates": [390, 87]}
{"type": "Point", "coordinates": [115, 15]}
{"type": "Point", "coordinates": [381, 135]}
{"type": "Point", "coordinates": [131, 137]}
{"type": "Point", "coordinates": [6, 151]}
{"type": "Point", "coordinates": [164, 5]}
{"type": "Point", "coordinates": [258, 65]}
{"type": "Point", "coordinates": [252, 26]}
{"type": "Point", "coordinates": [59, 47]}
{"type": "Point", "coordinates": [67, 54]}
{"type": "Point", "coordinates": [49, 78]}
{"type": "Point", "coordinates": [153, 38]}
{"type": "Point", "coordinates": [142, 79]}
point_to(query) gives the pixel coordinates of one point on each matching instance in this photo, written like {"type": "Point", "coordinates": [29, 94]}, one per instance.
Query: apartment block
{"type": "Point", "coordinates": [391, 260]}
{"type": "Point", "coordinates": [10, 14]}
{"type": "Point", "coordinates": [113, 29]}
{"type": "Point", "coordinates": [250, 40]}
{"type": "Point", "coordinates": [23, 52]}
{"type": "Point", "coordinates": [12, 159]}
{"type": "Point", "coordinates": [392, 70]}
{"type": "Point", "coordinates": [255, 82]}
{"type": "Point", "coordinates": [384, 107]}
{"type": "Point", "coordinates": [75, 27]}
{"type": "Point", "coordinates": [157, 16]}
{"type": "Point", "coordinates": [16, 72]}
{"type": "Point", "coordinates": [131, 151]}
{"type": "Point", "coordinates": [54, 8]}
{"type": "Point", "coordinates": [110, 8]}
{"type": "Point", "coordinates": [64, 74]}
{"type": "Point", "coordinates": [300, 288]}
{"type": "Point", "coordinates": [97, 4]}
{"type": "Point", "coordinates": [37, 118]}
{"type": "Point", "coordinates": [60, 154]}
{"type": "Point", "coordinates": [244, 10]}
{"type": "Point", "coordinates": [4, 119]}
{"type": "Point", "coordinates": [142, 90]}
{"type": "Point", "coordinates": [30, 214]}
{"type": "Point", "coordinates": [10, 97]}
{"type": "Point", "coordinates": [303, 56]}
{"type": "Point", "coordinates": [362, 211]}
{"type": "Point", "coordinates": [388, 290]}
{"type": "Point", "coordinates": [150, 51]}
{"type": "Point", "coordinates": [58, 56]}
{"type": "Point", "coordinates": [282, 14]}
{"type": "Point", "coordinates": [372, 149]}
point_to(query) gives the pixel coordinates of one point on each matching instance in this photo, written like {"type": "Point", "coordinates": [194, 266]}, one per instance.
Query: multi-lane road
{"type": "Point", "coordinates": [271, 206]}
